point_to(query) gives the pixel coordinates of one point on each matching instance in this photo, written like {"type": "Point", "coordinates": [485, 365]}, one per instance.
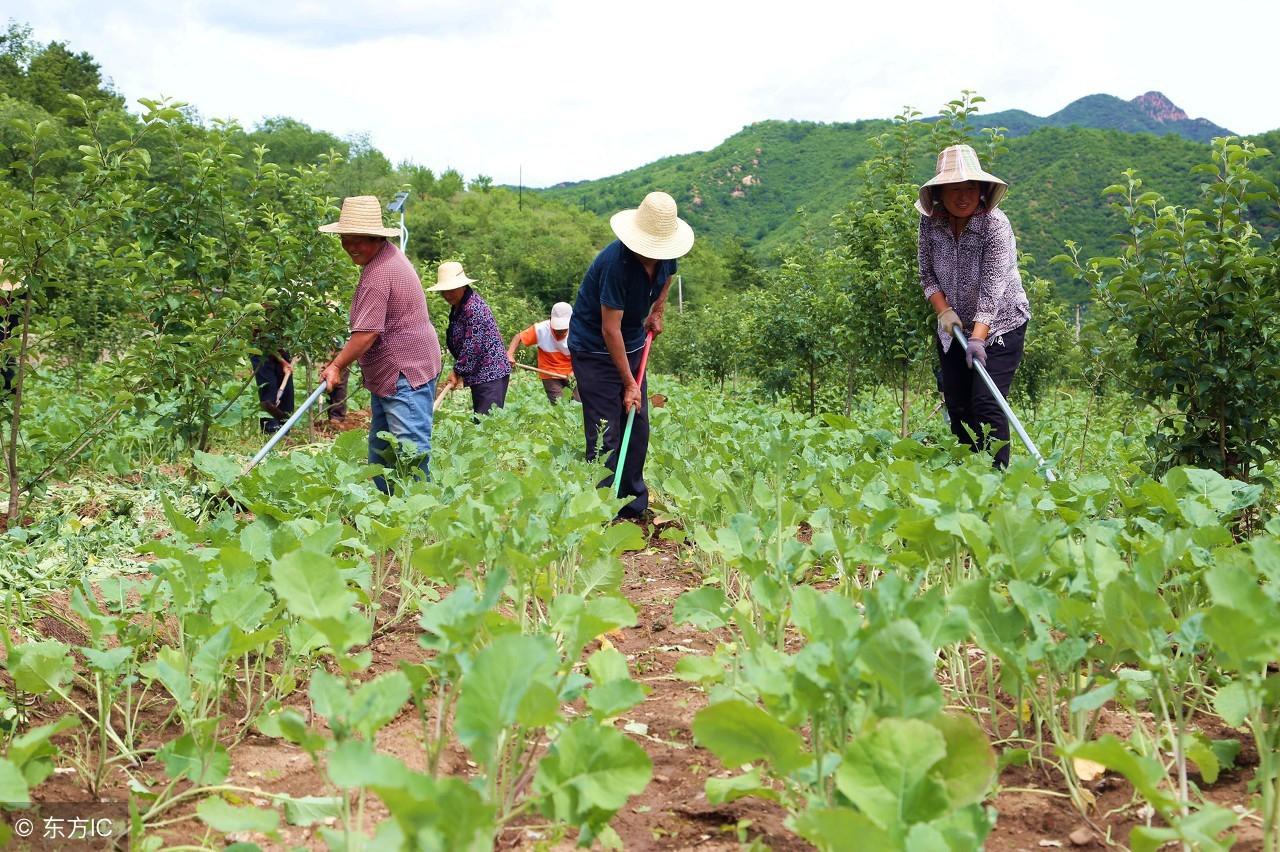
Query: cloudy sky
{"type": "Point", "coordinates": [573, 89]}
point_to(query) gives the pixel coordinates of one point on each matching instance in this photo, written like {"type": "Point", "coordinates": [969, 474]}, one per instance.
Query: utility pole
{"type": "Point", "coordinates": [680, 292]}
{"type": "Point", "coordinates": [397, 206]}
{"type": "Point", "coordinates": [520, 191]}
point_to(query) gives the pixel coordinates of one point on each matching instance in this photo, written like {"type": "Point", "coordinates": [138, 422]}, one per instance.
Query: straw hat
{"type": "Point", "coordinates": [957, 164]}
{"type": "Point", "coordinates": [361, 214]}
{"type": "Point", "coordinates": [561, 313]}
{"type": "Point", "coordinates": [451, 277]}
{"type": "Point", "coordinates": [653, 230]}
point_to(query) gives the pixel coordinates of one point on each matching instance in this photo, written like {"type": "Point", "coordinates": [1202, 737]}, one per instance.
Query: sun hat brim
{"type": "Point", "coordinates": [995, 193]}
{"type": "Point", "coordinates": [454, 283]}
{"type": "Point", "coordinates": [340, 228]}
{"type": "Point", "coordinates": [647, 245]}
{"type": "Point", "coordinates": [558, 324]}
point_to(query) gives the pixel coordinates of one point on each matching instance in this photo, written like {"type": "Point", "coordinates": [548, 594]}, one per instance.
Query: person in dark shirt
{"type": "Point", "coordinates": [273, 373]}
{"type": "Point", "coordinates": [620, 301]}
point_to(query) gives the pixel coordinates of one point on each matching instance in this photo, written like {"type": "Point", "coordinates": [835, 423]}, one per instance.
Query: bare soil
{"type": "Point", "coordinates": [673, 812]}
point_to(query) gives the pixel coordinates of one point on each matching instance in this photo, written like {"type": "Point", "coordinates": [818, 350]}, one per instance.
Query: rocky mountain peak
{"type": "Point", "coordinates": [1159, 108]}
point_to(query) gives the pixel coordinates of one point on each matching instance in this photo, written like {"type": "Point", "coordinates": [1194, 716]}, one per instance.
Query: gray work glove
{"type": "Point", "coordinates": [946, 320]}
{"type": "Point", "coordinates": [976, 351]}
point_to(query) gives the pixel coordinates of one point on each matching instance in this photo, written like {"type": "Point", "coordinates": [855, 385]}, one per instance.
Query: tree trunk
{"type": "Point", "coordinates": [849, 387]}
{"type": "Point", "coordinates": [906, 402]}
{"type": "Point", "coordinates": [15, 422]}
{"type": "Point", "coordinates": [813, 390]}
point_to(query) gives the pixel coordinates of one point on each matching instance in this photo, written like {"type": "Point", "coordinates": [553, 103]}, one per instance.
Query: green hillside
{"type": "Point", "coordinates": [748, 187]}
{"type": "Point", "coordinates": [1148, 113]}
{"type": "Point", "coordinates": [753, 185]}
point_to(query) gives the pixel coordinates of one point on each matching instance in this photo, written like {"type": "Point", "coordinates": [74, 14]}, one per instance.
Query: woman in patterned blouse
{"type": "Point", "coordinates": [479, 355]}
{"type": "Point", "coordinates": [969, 273]}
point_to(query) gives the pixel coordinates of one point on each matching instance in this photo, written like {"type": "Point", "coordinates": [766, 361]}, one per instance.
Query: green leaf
{"type": "Point", "coordinates": [590, 771]}
{"type": "Point", "coordinates": [109, 661]}
{"type": "Point", "coordinates": [243, 607]}
{"type": "Point", "coordinates": [886, 773]}
{"type": "Point", "coordinates": [220, 469]}
{"type": "Point", "coordinates": [834, 829]}
{"type": "Point", "coordinates": [615, 697]}
{"type": "Point", "coordinates": [40, 667]}
{"type": "Point", "coordinates": [706, 608]}
{"type": "Point", "coordinates": [183, 758]}
{"type": "Point", "coordinates": [13, 786]}
{"type": "Point", "coordinates": [607, 664]}
{"type": "Point", "coordinates": [1145, 773]}
{"type": "Point", "coordinates": [699, 669]}
{"type": "Point", "coordinates": [377, 702]}
{"type": "Point", "coordinates": [221, 816]}
{"type": "Point", "coordinates": [495, 686]}
{"type": "Point", "coordinates": [740, 733]}
{"type": "Point", "coordinates": [1234, 702]}
{"type": "Point", "coordinates": [444, 814]}
{"type": "Point", "coordinates": [1199, 750]}
{"type": "Point", "coordinates": [721, 791]}
{"type": "Point", "coordinates": [902, 663]}
{"type": "Point", "coordinates": [309, 810]}
{"type": "Point", "coordinates": [969, 768]}
{"type": "Point", "coordinates": [1094, 698]}
{"type": "Point", "coordinates": [311, 586]}
{"type": "Point", "coordinates": [354, 764]}
{"type": "Point", "coordinates": [206, 665]}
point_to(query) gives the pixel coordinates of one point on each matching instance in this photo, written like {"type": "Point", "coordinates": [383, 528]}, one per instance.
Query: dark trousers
{"type": "Point", "coordinates": [555, 389]}
{"type": "Point", "coordinates": [489, 395]}
{"type": "Point", "coordinates": [600, 388]}
{"type": "Point", "coordinates": [268, 373]}
{"type": "Point", "coordinates": [970, 406]}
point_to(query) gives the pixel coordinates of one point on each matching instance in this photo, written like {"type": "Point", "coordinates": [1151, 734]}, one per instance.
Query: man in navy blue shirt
{"type": "Point", "coordinates": [621, 300]}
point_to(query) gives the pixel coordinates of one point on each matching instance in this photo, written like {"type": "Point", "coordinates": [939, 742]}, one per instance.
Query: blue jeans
{"type": "Point", "coordinates": [408, 416]}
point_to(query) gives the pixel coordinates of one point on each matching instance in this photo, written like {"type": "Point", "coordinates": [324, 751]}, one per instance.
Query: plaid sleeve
{"type": "Point", "coordinates": [369, 309]}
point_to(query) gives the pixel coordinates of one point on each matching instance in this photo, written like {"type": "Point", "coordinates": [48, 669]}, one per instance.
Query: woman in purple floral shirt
{"type": "Point", "coordinates": [969, 273]}
{"type": "Point", "coordinates": [479, 355]}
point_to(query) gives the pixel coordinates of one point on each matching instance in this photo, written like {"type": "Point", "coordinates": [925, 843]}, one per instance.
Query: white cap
{"type": "Point", "coordinates": [561, 313]}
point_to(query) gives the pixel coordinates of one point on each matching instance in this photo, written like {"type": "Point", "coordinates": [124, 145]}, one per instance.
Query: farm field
{"type": "Point", "coordinates": [837, 630]}
{"type": "Point", "coordinates": [827, 632]}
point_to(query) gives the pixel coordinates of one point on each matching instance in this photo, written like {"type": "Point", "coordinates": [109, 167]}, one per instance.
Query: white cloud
{"type": "Point", "coordinates": [571, 89]}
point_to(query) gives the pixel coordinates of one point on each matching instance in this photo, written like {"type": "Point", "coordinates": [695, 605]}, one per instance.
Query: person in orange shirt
{"type": "Point", "coordinates": [551, 336]}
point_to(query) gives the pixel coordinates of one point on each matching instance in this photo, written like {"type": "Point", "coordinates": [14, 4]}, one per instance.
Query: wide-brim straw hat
{"type": "Point", "coordinates": [361, 214]}
{"type": "Point", "coordinates": [653, 230]}
{"type": "Point", "coordinates": [450, 277]}
{"type": "Point", "coordinates": [957, 164]}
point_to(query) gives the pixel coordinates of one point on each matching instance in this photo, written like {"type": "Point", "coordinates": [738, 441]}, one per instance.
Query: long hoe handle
{"type": "Point", "coordinates": [631, 419]}
{"type": "Point", "coordinates": [1004, 406]}
{"type": "Point", "coordinates": [288, 424]}
{"type": "Point", "coordinates": [546, 373]}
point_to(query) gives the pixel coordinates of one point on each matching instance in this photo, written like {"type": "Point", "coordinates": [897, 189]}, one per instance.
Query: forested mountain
{"type": "Point", "coordinates": [1147, 113]}
{"type": "Point", "coordinates": [765, 185]}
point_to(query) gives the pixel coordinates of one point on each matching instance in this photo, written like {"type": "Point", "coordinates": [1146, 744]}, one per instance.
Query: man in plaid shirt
{"type": "Point", "coordinates": [391, 335]}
